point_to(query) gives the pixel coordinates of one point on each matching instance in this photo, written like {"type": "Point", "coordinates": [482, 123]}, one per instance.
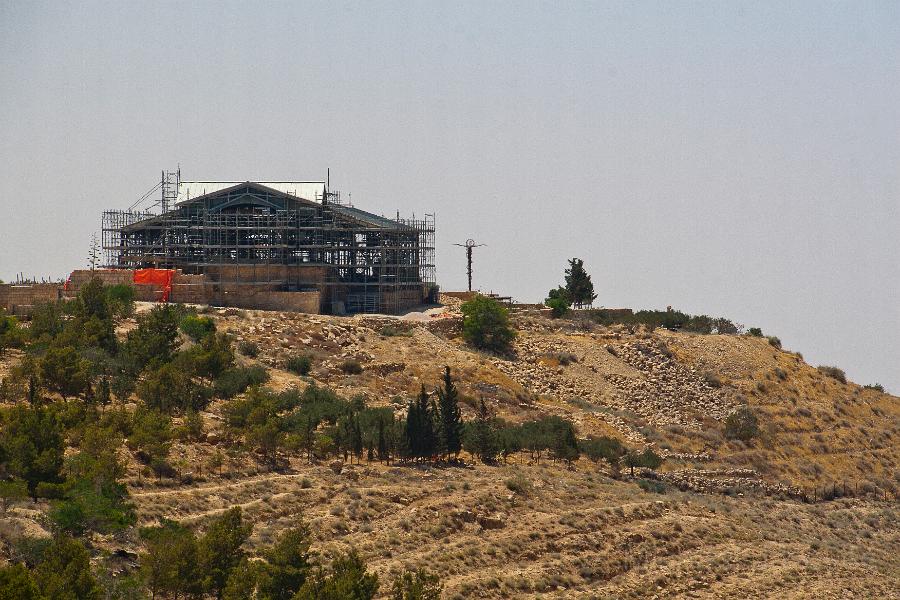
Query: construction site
{"type": "Point", "coordinates": [285, 245]}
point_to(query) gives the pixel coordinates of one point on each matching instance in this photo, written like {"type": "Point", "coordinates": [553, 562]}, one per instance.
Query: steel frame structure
{"type": "Point", "coordinates": [251, 235]}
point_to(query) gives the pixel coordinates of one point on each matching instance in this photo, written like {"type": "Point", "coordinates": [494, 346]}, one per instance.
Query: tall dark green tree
{"type": "Point", "coordinates": [451, 426]}
{"type": "Point", "coordinates": [579, 289]}
{"type": "Point", "coordinates": [421, 438]}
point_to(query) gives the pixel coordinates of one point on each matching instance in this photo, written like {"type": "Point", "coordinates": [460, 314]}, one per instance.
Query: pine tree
{"type": "Point", "coordinates": [579, 289]}
{"type": "Point", "coordinates": [450, 416]}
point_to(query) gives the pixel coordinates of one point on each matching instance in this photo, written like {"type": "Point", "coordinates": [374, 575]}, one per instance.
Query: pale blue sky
{"type": "Point", "coordinates": [738, 159]}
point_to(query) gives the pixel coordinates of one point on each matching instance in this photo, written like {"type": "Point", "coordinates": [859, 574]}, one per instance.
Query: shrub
{"type": "Point", "coordinates": [248, 349]}
{"type": "Point", "coordinates": [712, 379]}
{"type": "Point", "coordinates": [655, 487]}
{"type": "Point", "coordinates": [874, 386]}
{"type": "Point", "coordinates": [755, 332]}
{"type": "Point", "coordinates": [237, 379]}
{"type": "Point", "coordinates": [519, 484]}
{"type": "Point", "coordinates": [742, 425]}
{"type": "Point", "coordinates": [196, 327]}
{"type": "Point", "coordinates": [351, 367]}
{"type": "Point", "coordinates": [558, 305]}
{"type": "Point", "coordinates": [299, 364]}
{"type": "Point", "coordinates": [394, 331]}
{"type": "Point", "coordinates": [418, 585]}
{"type": "Point", "coordinates": [486, 324]}
{"type": "Point", "coordinates": [834, 373]}
{"type": "Point", "coordinates": [774, 341]}
{"type": "Point", "coordinates": [120, 298]}
{"type": "Point", "coordinates": [566, 358]}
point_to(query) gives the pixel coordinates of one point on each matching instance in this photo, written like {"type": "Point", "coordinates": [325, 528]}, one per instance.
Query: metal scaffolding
{"type": "Point", "coordinates": [250, 234]}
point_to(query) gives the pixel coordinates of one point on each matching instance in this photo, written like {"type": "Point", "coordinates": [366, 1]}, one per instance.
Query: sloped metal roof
{"type": "Point", "coordinates": [366, 217]}
{"type": "Point", "coordinates": [313, 191]}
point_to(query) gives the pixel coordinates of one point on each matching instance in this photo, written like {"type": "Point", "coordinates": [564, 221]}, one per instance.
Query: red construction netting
{"type": "Point", "coordinates": [160, 277]}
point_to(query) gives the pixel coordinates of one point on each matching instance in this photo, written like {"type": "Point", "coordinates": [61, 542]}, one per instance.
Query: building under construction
{"type": "Point", "coordinates": [272, 245]}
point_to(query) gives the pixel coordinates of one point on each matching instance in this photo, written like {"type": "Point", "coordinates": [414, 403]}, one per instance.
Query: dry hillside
{"type": "Point", "coordinates": [731, 522]}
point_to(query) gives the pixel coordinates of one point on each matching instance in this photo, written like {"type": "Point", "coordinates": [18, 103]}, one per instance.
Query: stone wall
{"type": "Point", "coordinates": [20, 299]}
{"type": "Point", "coordinates": [262, 299]}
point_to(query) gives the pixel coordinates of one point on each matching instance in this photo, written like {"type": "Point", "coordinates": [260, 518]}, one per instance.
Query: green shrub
{"type": "Point", "coordinates": [774, 341]}
{"type": "Point", "coordinates": [299, 364]}
{"type": "Point", "coordinates": [486, 325]}
{"type": "Point", "coordinates": [519, 484]}
{"type": "Point", "coordinates": [248, 349]}
{"type": "Point", "coordinates": [196, 327]}
{"type": "Point", "coordinates": [418, 585]}
{"type": "Point", "coordinates": [237, 379]}
{"type": "Point", "coordinates": [742, 425]}
{"type": "Point", "coordinates": [394, 331]}
{"type": "Point", "coordinates": [558, 305]}
{"type": "Point", "coordinates": [755, 332]}
{"type": "Point", "coordinates": [833, 372]}
{"type": "Point", "coordinates": [874, 386]}
{"type": "Point", "coordinates": [120, 298]}
{"type": "Point", "coordinates": [654, 487]}
{"type": "Point", "coordinates": [351, 367]}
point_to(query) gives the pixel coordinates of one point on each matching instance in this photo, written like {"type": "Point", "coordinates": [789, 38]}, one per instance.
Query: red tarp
{"type": "Point", "coordinates": [160, 277]}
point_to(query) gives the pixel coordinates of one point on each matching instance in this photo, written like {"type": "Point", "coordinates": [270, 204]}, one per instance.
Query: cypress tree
{"type": "Point", "coordinates": [450, 417]}
{"type": "Point", "coordinates": [580, 290]}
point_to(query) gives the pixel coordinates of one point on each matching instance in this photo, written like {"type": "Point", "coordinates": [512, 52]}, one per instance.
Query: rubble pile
{"type": "Point", "coordinates": [733, 481]}
{"type": "Point", "coordinates": [668, 392]}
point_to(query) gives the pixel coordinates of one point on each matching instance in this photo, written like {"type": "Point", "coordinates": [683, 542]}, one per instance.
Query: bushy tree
{"type": "Point", "coordinates": [170, 388]}
{"type": "Point", "coordinates": [65, 572]}
{"type": "Point", "coordinates": [451, 427]}
{"type": "Point", "coordinates": [606, 448]}
{"type": "Point", "coordinates": [347, 579]}
{"type": "Point", "coordinates": [154, 340]}
{"type": "Point", "coordinates": [742, 424]}
{"type": "Point", "coordinates": [558, 301]}
{"type": "Point", "coordinates": [16, 583]}
{"type": "Point", "coordinates": [286, 564]}
{"type": "Point", "coordinates": [65, 372]}
{"type": "Point", "coordinates": [151, 435]}
{"type": "Point", "coordinates": [169, 564]}
{"type": "Point", "coordinates": [486, 324]}
{"type": "Point", "coordinates": [196, 327]}
{"type": "Point", "coordinates": [93, 499]}
{"type": "Point", "coordinates": [579, 289]}
{"type": "Point", "coordinates": [31, 443]}
{"type": "Point", "coordinates": [220, 549]}
{"type": "Point", "coordinates": [120, 299]}
{"type": "Point", "coordinates": [648, 459]}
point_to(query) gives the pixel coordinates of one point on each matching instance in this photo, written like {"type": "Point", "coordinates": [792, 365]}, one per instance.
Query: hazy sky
{"type": "Point", "coordinates": [736, 159]}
